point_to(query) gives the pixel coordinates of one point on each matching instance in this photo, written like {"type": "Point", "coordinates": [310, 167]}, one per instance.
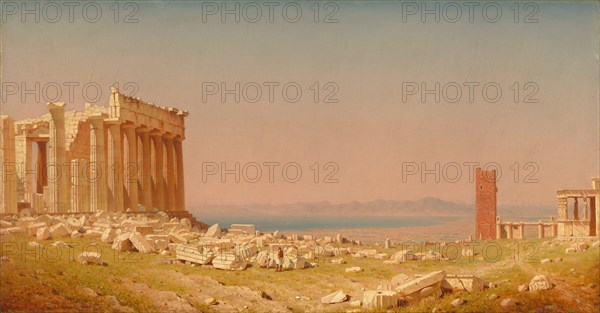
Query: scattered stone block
{"type": "Point", "coordinates": [523, 288]}
{"type": "Point", "coordinates": [194, 254]}
{"type": "Point", "coordinates": [210, 301]}
{"type": "Point", "coordinates": [229, 261]}
{"type": "Point", "coordinates": [380, 300]}
{"type": "Point", "coordinates": [59, 230]}
{"type": "Point", "coordinates": [144, 230]}
{"type": "Point", "coordinates": [470, 283]}
{"type": "Point", "coordinates": [545, 261]}
{"type": "Point", "coordinates": [457, 302]}
{"type": "Point", "coordinates": [540, 282]}
{"type": "Point", "coordinates": [90, 258]}
{"type": "Point", "coordinates": [109, 235]}
{"type": "Point", "coordinates": [213, 232]}
{"type": "Point", "coordinates": [354, 270]}
{"type": "Point", "coordinates": [493, 296]}
{"type": "Point", "coordinates": [141, 244]}
{"type": "Point", "coordinates": [421, 282]}
{"type": "Point", "coordinates": [508, 303]}
{"type": "Point", "coordinates": [161, 244]}
{"type": "Point", "coordinates": [42, 233]}
{"type": "Point", "coordinates": [336, 297]}
{"type": "Point", "coordinates": [33, 228]}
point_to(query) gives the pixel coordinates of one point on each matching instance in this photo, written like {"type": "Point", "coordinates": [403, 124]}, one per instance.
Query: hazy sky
{"type": "Point", "coordinates": [372, 51]}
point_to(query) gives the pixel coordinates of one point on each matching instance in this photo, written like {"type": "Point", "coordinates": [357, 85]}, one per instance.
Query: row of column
{"type": "Point", "coordinates": [137, 184]}
{"type": "Point", "coordinates": [521, 230]}
{"type": "Point", "coordinates": [107, 182]}
{"type": "Point", "coordinates": [563, 208]}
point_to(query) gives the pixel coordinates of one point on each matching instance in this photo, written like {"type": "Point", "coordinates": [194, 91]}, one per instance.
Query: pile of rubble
{"type": "Point", "coordinates": [405, 290]}
{"type": "Point", "coordinates": [231, 249]}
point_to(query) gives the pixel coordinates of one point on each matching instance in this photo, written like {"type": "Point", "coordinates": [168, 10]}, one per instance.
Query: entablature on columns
{"type": "Point", "coordinates": [138, 112]}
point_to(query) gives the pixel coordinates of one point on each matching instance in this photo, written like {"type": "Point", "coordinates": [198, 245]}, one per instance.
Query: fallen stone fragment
{"type": "Point", "coordinates": [399, 280]}
{"type": "Point", "coordinates": [122, 243]}
{"type": "Point", "coordinates": [161, 244]}
{"type": "Point", "coordinates": [380, 300]}
{"type": "Point", "coordinates": [354, 270]}
{"type": "Point", "coordinates": [508, 303]}
{"type": "Point", "coordinates": [523, 288]}
{"type": "Point", "coordinates": [33, 228]}
{"type": "Point", "coordinates": [59, 230]}
{"type": "Point", "coordinates": [356, 303]}
{"type": "Point", "coordinates": [468, 283]}
{"type": "Point", "coordinates": [493, 296]}
{"type": "Point", "coordinates": [213, 232]}
{"type": "Point", "coordinates": [194, 254]}
{"type": "Point", "coordinates": [141, 244]}
{"type": "Point", "coordinates": [90, 258]}
{"type": "Point", "coordinates": [457, 302]}
{"type": "Point", "coordinates": [229, 261]}
{"type": "Point", "coordinates": [421, 282]}
{"type": "Point", "coordinates": [109, 235]}
{"type": "Point", "coordinates": [42, 233]}
{"type": "Point", "coordinates": [540, 282]}
{"type": "Point", "coordinates": [336, 297]}
{"type": "Point", "coordinates": [144, 230]}
{"type": "Point", "coordinates": [545, 261]}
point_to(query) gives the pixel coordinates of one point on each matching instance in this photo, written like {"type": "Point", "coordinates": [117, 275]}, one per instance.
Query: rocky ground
{"type": "Point", "coordinates": [128, 263]}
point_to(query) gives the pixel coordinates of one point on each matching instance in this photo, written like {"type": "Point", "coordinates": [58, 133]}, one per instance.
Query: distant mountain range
{"type": "Point", "coordinates": [424, 207]}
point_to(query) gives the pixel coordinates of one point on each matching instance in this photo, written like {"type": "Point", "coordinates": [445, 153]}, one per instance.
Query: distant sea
{"type": "Point", "coordinates": [270, 223]}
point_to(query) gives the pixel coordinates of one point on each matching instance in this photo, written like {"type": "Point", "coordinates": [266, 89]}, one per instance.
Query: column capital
{"type": "Point", "coordinates": [168, 136]}
{"type": "Point", "coordinates": [143, 130]}
{"type": "Point", "coordinates": [97, 117]}
{"type": "Point", "coordinates": [129, 125]}
{"type": "Point", "coordinates": [113, 121]}
{"type": "Point", "coordinates": [56, 106]}
{"type": "Point", "coordinates": [156, 133]}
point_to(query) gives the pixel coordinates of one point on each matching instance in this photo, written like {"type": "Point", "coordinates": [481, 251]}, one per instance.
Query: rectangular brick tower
{"type": "Point", "coordinates": [485, 202]}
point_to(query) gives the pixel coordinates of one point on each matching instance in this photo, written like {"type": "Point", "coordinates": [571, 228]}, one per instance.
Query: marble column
{"type": "Point", "coordinates": [171, 196]}
{"type": "Point", "coordinates": [8, 179]}
{"type": "Point", "coordinates": [97, 166]}
{"type": "Point", "coordinates": [522, 231]}
{"type": "Point", "coordinates": [58, 169]}
{"type": "Point", "coordinates": [146, 169]}
{"type": "Point", "coordinates": [157, 139]}
{"type": "Point", "coordinates": [180, 182]}
{"type": "Point", "coordinates": [115, 168]}
{"type": "Point", "coordinates": [80, 187]}
{"type": "Point", "coordinates": [576, 210]}
{"type": "Point", "coordinates": [132, 167]}
{"type": "Point", "coordinates": [540, 230]}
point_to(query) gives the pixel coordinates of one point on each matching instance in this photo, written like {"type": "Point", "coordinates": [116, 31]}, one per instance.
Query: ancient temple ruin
{"type": "Point", "coordinates": [127, 156]}
{"type": "Point", "coordinates": [583, 221]}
